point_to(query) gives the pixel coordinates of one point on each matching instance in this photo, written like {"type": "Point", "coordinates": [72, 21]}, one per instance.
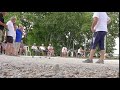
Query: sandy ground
{"type": "Point", "coordinates": [56, 67]}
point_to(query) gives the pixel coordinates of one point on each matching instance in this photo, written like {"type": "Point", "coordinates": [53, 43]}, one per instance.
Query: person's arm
{"type": "Point", "coordinates": [32, 47]}
{"type": "Point", "coordinates": [108, 20]}
{"type": "Point", "coordinates": [36, 48]}
{"type": "Point", "coordinates": [81, 50]}
{"type": "Point", "coordinates": [95, 20]}
{"type": "Point", "coordinates": [21, 31]}
{"type": "Point", "coordinates": [3, 24]}
{"type": "Point", "coordinates": [5, 35]}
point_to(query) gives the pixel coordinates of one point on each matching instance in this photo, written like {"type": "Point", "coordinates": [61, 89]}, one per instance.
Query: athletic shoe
{"type": "Point", "coordinates": [88, 61]}
{"type": "Point", "coordinates": [100, 61]}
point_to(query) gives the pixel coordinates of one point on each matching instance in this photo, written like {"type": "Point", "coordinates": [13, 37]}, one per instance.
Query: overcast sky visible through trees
{"type": "Point", "coordinates": [117, 46]}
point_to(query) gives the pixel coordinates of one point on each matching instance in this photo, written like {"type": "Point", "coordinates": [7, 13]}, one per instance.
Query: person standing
{"type": "Point", "coordinates": [99, 29]}
{"type": "Point", "coordinates": [10, 35]}
{"type": "Point", "coordinates": [19, 33]}
{"type": "Point", "coordinates": [2, 26]}
{"type": "Point", "coordinates": [35, 50]}
{"type": "Point", "coordinates": [14, 38]}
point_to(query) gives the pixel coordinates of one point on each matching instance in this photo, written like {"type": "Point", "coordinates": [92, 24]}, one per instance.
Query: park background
{"type": "Point", "coordinates": [70, 29]}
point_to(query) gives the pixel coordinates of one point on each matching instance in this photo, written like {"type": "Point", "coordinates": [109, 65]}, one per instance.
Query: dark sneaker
{"type": "Point", "coordinates": [88, 61]}
{"type": "Point", "coordinates": [100, 61]}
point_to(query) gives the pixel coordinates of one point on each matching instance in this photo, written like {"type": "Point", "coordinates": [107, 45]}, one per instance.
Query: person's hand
{"type": "Point", "coordinates": [5, 25]}
{"type": "Point", "coordinates": [93, 30]}
{"type": "Point", "coordinates": [4, 38]}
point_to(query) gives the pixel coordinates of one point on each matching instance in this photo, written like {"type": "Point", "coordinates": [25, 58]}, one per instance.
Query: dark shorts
{"type": "Point", "coordinates": [78, 53]}
{"type": "Point", "coordinates": [81, 54]}
{"type": "Point", "coordinates": [98, 39]}
{"type": "Point", "coordinates": [9, 39]}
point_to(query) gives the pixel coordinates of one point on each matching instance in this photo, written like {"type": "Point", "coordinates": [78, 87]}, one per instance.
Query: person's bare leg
{"type": "Point", "coordinates": [63, 54]}
{"type": "Point", "coordinates": [20, 51]}
{"type": "Point", "coordinates": [92, 52]}
{"type": "Point", "coordinates": [8, 49]}
{"type": "Point", "coordinates": [16, 50]}
{"type": "Point", "coordinates": [11, 49]}
{"type": "Point", "coordinates": [90, 60]}
{"type": "Point", "coordinates": [66, 54]}
{"type": "Point", "coordinates": [101, 60]}
{"type": "Point", "coordinates": [0, 48]}
{"type": "Point", "coordinates": [49, 55]}
{"type": "Point", "coordinates": [102, 53]}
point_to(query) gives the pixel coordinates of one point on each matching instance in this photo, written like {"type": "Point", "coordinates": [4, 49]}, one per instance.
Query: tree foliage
{"type": "Point", "coordinates": [63, 28]}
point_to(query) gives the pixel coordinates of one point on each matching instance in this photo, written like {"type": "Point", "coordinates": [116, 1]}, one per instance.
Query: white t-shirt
{"type": "Point", "coordinates": [34, 47]}
{"type": "Point", "coordinates": [102, 21]}
{"type": "Point", "coordinates": [42, 47]}
{"type": "Point", "coordinates": [50, 48]}
{"type": "Point", "coordinates": [14, 36]}
{"type": "Point", "coordinates": [11, 30]}
{"type": "Point", "coordinates": [78, 50]}
{"type": "Point", "coordinates": [64, 49]}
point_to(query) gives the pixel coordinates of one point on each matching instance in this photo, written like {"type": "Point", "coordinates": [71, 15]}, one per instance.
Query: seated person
{"type": "Point", "coordinates": [35, 50]}
{"type": "Point", "coordinates": [50, 50]}
{"type": "Point", "coordinates": [68, 53]}
{"type": "Point", "coordinates": [81, 52]}
{"type": "Point", "coordinates": [72, 53]}
{"type": "Point", "coordinates": [64, 52]}
{"type": "Point", "coordinates": [43, 50]}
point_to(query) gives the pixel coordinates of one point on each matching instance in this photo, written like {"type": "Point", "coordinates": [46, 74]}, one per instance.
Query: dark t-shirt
{"type": "Point", "coordinates": [2, 20]}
